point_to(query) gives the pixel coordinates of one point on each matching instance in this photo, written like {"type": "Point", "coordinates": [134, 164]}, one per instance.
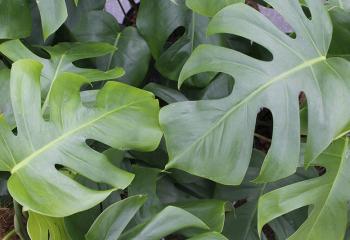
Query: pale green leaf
{"type": "Point", "coordinates": [123, 117]}
{"type": "Point", "coordinates": [41, 227]}
{"type": "Point", "coordinates": [213, 139]}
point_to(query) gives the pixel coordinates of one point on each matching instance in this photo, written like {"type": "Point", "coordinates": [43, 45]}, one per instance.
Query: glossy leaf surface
{"type": "Point", "coordinates": [213, 139]}
{"type": "Point", "coordinates": [46, 228]}
{"type": "Point", "coordinates": [326, 194]}
{"type": "Point", "coordinates": [35, 180]}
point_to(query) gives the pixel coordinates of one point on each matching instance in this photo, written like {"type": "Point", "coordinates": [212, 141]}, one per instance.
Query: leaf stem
{"type": "Point", "coordinates": [122, 8]}
{"type": "Point", "coordinates": [262, 137]}
{"type": "Point", "coordinates": [10, 234]}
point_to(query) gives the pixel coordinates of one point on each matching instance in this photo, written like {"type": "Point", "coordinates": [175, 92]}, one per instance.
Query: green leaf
{"type": "Point", "coordinates": [163, 224]}
{"type": "Point", "coordinates": [5, 102]}
{"type": "Point", "coordinates": [167, 94]}
{"type": "Point", "coordinates": [170, 59]}
{"type": "Point", "coordinates": [211, 212]}
{"type": "Point", "coordinates": [199, 132]}
{"type": "Point", "coordinates": [62, 57]}
{"type": "Point", "coordinates": [341, 33]}
{"type": "Point", "coordinates": [41, 227]}
{"type": "Point", "coordinates": [145, 183]}
{"type": "Point", "coordinates": [123, 118]}
{"type": "Point", "coordinates": [110, 224]}
{"type": "Point", "coordinates": [241, 224]}
{"type": "Point", "coordinates": [328, 215]}
{"type": "Point", "coordinates": [53, 14]}
{"type": "Point", "coordinates": [209, 7]}
{"type": "Point", "coordinates": [133, 53]}
{"type": "Point", "coordinates": [209, 236]}
{"type": "Point", "coordinates": [15, 19]}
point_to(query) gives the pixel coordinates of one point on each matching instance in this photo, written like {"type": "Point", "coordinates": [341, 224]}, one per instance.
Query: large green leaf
{"type": "Point", "coordinates": [213, 139]}
{"type": "Point", "coordinates": [169, 60]}
{"type": "Point", "coordinates": [46, 228]}
{"type": "Point", "coordinates": [123, 117]}
{"type": "Point", "coordinates": [327, 195]}
{"type": "Point", "coordinates": [15, 19]}
{"type": "Point", "coordinates": [62, 57]}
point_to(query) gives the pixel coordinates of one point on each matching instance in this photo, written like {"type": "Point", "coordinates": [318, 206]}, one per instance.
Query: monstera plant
{"type": "Point", "coordinates": [189, 119]}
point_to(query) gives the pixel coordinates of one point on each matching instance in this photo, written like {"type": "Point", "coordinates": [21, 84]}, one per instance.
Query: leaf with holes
{"type": "Point", "coordinates": [169, 52]}
{"type": "Point", "coordinates": [46, 228]}
{"type": "Point", "coordinates": [113, 221]}
{"type": "Point", "coordinates": [123, 117]}
{"type": "Point", "coordinates": [213, 139]}
{"type": "Point", "coordinates": [328, 215]}
{"type": "Point", "coordinates": [62, 58]}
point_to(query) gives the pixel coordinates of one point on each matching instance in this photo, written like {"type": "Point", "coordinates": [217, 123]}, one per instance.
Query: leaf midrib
{"type": "Point", "coordinates": [257, 91]}
{"type": "Point", "coordinates": [66, 135]}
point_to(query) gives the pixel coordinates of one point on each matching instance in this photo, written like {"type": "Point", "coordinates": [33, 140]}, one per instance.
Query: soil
{"type": "Point", "coordinates": [6, 221]}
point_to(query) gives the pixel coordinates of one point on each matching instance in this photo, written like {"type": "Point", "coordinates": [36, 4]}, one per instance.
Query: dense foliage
{"type": "Point", "coordinates": [191, 119]}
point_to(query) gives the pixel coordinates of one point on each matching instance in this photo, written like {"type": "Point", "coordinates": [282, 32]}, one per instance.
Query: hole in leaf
{"type": "Point", "coordinates": [277, 19]}
{"type": "Point", "coordinates": [96, 145]}
{"type": "Point", "coordinates": [176, 35]}
{"type": "Point", "coordinates": [263, 130]}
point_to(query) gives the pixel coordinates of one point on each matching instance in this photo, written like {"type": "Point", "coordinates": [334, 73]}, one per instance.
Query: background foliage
{"type": "Point", "coordinates": [190, 119]}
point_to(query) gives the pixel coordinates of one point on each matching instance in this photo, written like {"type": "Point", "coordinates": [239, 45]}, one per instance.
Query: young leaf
{"type": "Point", "coordinates": [163, 224]}
{"type": "Point", "coordinates": [15, 25]}
{"type": "Point", "coordinates": [123, 117]}
{"type": "Point", "coordinates": [41, 227]}
{"type": "Point", "coordinates": [327, 194]}
{"type": "Point", "coordinates": [110, 224]}
{"type": "Point", "coordinates": [213, 139]}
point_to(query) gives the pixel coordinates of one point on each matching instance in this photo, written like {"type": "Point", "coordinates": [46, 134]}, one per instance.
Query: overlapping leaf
{"type": "Point", "coordinates": [213, 139]}
{"type": "Point", "coordinates": [62, 57]}
{"type": "Point", "coordinates": [111, 223]}
{"type": "Point", "coordinates": [241, 224]}
{"type": "Point", "coordinates": [14, 25]}
{"type": "Point", "coordinates": [157, 27]}
{"type": "Point", "coordinates": [123, 117]}
{"type": "Point", "coordinates": [97, 25]}
{"type": "Point", "coordinates": [46, 228]}
{"type": "Point", "coordinates": [327, 197]}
